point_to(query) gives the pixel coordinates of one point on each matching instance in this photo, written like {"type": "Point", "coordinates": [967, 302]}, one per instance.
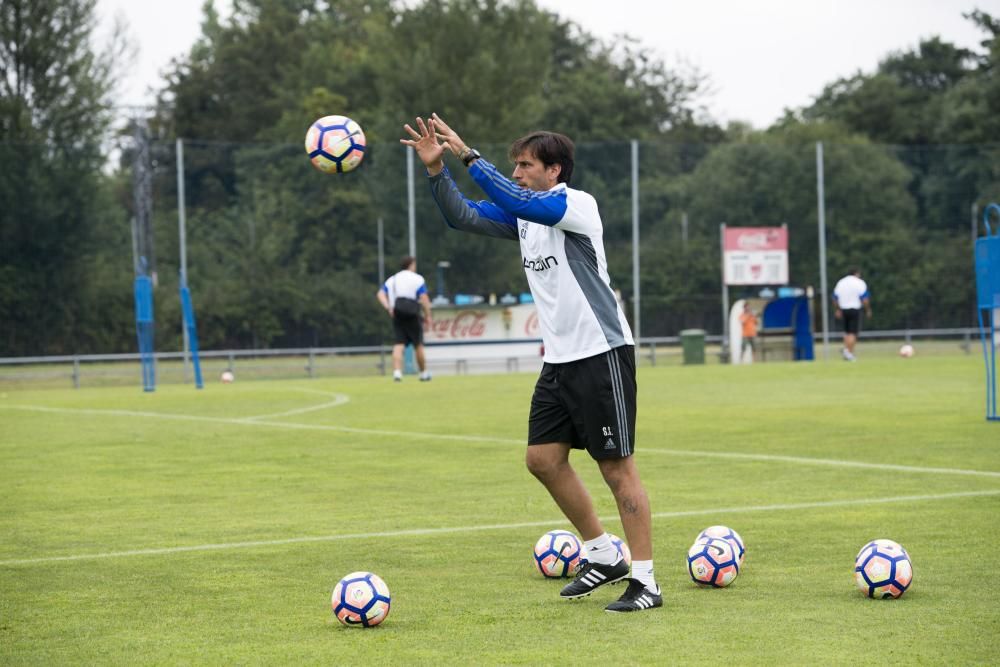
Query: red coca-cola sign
{"type": "Point", "coordinates": [531, 325]}
{"type": "Point", "coordinates": [469, 324]}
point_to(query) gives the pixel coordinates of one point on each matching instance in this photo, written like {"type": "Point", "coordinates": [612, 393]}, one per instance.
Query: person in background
{"type": "Point", "coordinates": [748, 321]}
{"type": "Point", "coordinates": [849, 296]}
{"type": "Point", "coordinates": [404, 297]}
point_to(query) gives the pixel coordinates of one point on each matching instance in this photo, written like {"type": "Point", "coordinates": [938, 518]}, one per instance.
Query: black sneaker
{"type": "Point", "coordinates": [635, 598]}
{"type": "Point", "coordinates": [591, 575]}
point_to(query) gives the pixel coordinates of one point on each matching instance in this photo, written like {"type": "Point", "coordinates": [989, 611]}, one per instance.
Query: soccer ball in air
{"type": "Point", "coordinates": [906, 351]}
{"type": "Point", "coordinates": [227, 377]}
{"type": "Point", "coordinates": [335, 144]}
{"type": "Point", "coordinates": [729, 535]}
{"type": "Point", "coordinates": [619, 545]}
{"type": "Point", "coordinates": [883, 569]}
{"type": "Point", "coordinates": [711, 561]}
{"type": "Point", "coordinates": [361, 598]}
{"type": "Point", "coordinates": [557, 553]}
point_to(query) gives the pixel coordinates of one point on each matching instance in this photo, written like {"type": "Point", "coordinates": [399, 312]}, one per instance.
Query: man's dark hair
{"type": "Point", "coordinates": [855, 271]}
{"type": "Point", "coordinates": [549, 148]}
{"type": "Point", "coordinates": [406, 262]}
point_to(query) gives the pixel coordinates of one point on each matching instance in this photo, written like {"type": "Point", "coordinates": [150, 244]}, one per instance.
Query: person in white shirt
{"type": "Point", "coordinates": [404, 297]}
{"type": "Point", "coordinates": [849, 296]}
{"type": "Point", "coordinates": [585, 396]}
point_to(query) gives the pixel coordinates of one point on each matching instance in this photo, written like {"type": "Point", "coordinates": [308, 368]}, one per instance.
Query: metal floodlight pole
{"type": "Point", "coordinates": [381, 253]}
{"type": "Point", "coordinates": [411, 201]}
{"type": "Point", "coordinates": [182, 241]}
{"type": "Point", "coordinates": [821, 215]}
{"type": "Point", "coordinates": [636, 301]}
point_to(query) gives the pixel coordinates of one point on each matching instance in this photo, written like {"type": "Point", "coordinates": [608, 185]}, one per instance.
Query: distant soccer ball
{"type": "Point", "coordinates": [883, 569]}
{"type": "Point", "coordinates": [557, 553]}
{"type": "Point", "coordinates": [227, 377]}
{"type": "Point", "coordinates": [361, 598]}
{"type": "Point", "coordinates": [729, 535]}
{"type": "Point", "coordinates": [335, 144]}
{"type": "Point", "coordinates": [620, 546]}
{"type": "Point", "coordinates": [906, 351]}
{"type": "Point", "coordinates": [712, 562]}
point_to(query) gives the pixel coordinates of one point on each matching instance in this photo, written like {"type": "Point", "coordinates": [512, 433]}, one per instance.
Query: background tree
{"type": "Point", "coordinates": [57, 221]}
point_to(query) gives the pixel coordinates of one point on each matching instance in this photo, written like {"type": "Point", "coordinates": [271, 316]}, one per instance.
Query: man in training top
{"type": "Point", "coordinates": [585, 396]}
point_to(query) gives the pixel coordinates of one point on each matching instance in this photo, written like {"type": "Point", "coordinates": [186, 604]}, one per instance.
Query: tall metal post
{"type": "Point", "coordinates": [411, 201]}
{"type": "Point", "coordinates": [821, 214]}
{"type": "Point", "coordinates": [636, 301]}
{"type": "Point", "coordinates": [182, 240]}
{"type": "Point", "coordinates": [381, 254]}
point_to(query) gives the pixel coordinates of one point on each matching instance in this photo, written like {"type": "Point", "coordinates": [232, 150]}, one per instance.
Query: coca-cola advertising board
{"type": "Point", "coordinates": [755, 255]}
{"type": "Point", "coordinates": [486, 324]}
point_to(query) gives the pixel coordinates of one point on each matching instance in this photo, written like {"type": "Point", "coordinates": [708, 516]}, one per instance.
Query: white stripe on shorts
{"type": "Point", "coordinates": [614, 369]}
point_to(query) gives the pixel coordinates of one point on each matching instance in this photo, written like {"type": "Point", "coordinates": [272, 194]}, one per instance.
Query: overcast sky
{"type": "Point", "coordinates": [761, 56]}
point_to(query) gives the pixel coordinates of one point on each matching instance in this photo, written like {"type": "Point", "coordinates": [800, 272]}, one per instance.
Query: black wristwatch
{"type": "Point", "coordinates": [468, 155]}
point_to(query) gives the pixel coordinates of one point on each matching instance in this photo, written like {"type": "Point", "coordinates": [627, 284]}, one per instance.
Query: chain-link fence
{"type": "Point", "coordinates": [281, 255]}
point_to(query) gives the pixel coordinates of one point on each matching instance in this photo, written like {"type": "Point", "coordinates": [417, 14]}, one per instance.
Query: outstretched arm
{"type": "Point", "coordinates": [459, 212]}
{"type": "Point", "coordinates": [547, 208]}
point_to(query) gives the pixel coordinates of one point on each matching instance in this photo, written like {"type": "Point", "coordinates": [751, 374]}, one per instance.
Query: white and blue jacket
{"type": "Point", "coordinates": [562, 251]}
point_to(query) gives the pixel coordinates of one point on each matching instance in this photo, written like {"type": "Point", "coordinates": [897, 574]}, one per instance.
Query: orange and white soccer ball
{"type": "Point", "coordinates": [729, 535]}
{"type": "Point", "coordinates": [557, 553]}
{"type": "Point", "coordinates": [361, 599]}
{"type": "Point", "coordinates": [883, 569]}
{"type": "Point", "coordinates": [711, 561]}
{"type": "Point", "coordinates": [906, 351]}
{"type": "Point", "coordinates": [227, 377]}
{"type": "Point", "coordinates": [335, 144]}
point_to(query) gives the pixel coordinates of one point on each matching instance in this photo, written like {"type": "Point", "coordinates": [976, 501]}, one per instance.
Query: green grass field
{"type": "Point", "coordinates": [187, 527]}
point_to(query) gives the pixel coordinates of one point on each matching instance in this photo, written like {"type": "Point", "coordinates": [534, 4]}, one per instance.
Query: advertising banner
{"type": "Point", "coordinates": [755, 255]}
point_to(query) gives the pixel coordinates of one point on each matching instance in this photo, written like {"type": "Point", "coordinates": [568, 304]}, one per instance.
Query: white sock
{"type": "Point", "coordinates": [397, 375]}
{"type": "Point", "coordinates": [601, 550]}
{"type": "Point", "coordinates": [425, 374]}
{"type": "Point", "coordinates": [642, 570]}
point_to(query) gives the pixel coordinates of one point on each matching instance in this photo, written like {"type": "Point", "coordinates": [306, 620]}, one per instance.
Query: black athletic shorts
{"type": "Point", "coordinates": [588, 403]}
{"type": "Point", "coordinates": [852, 320]}
{"type": "Point", "coordinates": [408, 330]}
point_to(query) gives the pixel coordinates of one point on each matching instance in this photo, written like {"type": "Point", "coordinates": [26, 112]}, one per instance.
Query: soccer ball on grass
{"type": "Point", "coordinates": [711, 561]}
{"type": "Point", "coordinates": [729, 535]}
{"type": "Point", "coordinates": [335, 144]}
{"type": "Point", "coordinates": [557, 553]}
{"type": "Point", "coordinates": [906, 351]}
{"type": "Point", "coordinates": [361, 598]}
{"type": "Point", "coordinates": [227, 377]}
{"type": "Point", "coordinates": [883, 569]}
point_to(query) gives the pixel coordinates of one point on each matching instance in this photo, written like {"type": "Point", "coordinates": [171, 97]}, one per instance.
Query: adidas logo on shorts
{"type": "Point", "coordinates": [610, 444]}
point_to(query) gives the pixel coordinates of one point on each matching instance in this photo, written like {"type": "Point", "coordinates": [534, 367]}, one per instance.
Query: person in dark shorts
{"type": "Point", "coordinates": [849, 296]}
{"type": "Point", "coordinates": [404, 297]}
{"type": "Point", "coordinates": [585, 396]}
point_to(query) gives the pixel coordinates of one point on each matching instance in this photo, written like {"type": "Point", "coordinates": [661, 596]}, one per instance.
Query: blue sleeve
{"type": "Point", "coordinates": [482, 217]}
{"type": "Point", "coordinates": [385, 287]}
{"type": "Point", "coordinates": [546, 208]}
{"type": "Point", "coordinates": [422, 290]}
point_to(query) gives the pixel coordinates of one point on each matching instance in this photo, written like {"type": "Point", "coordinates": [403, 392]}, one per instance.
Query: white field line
{"type": "Point", "coordinates": [774, 458]}
{"type": "Point", "coordinates": [260, 421]}
{"type": "Point", "coordinates": [503, 526]}
{"type": "Point", "coordinates": [338, 399]}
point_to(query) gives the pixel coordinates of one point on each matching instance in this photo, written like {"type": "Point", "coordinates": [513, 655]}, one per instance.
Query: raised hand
{"type": "Point", "coordinates": [448, 135]}
{"type": "Point", "coordinates": [425, 142]}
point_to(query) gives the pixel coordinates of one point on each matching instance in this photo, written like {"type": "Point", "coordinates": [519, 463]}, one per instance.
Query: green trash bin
{"type": "Point", "coordinates": [693, 344]}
